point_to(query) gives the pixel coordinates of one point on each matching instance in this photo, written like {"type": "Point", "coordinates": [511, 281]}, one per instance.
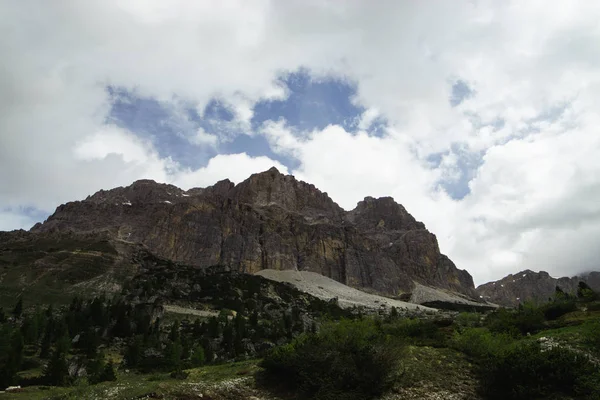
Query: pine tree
{"type": "Point", "coordinates": [57, 370]}
{"type": "Point", "coordinates": [209, 353]}
{"type": "Point", "coordinates": [172, 355]}
{"type": "Point", "coordinates": [46, 342]}
{"type": "Point", "coordinates": [134, 352]}
{"type": "Point", "coordinates": [228, 339]}
{"type": "Point", "coordinates": [89, 341]}
{"type": "Point", "coordinates": [95, 367]}
{"type": "Point", "coordinates": [198, 357]}
{"type": "Point", "coordinates": [109, 373]}
{"type": "Point", "coordinates": [174, 333]}
{"type": "Point", "coordinates": [18, 310]}
{"type": "Point", "coordinates": [11, 355]}
{"type": "Point", "coordinates": [29, 328]}
{"type": "Point", "coordinates": [197, 329]}
{"type": "Point", "coordinates": [214, 327]}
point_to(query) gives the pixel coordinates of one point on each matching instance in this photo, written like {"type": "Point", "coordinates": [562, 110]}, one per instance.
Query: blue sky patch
{"type": "Point", "coordinates": [312, 104]}
{"type": "Point", "coordinates": [460, 92]}
{"type": "Point", "coordinates": [467, 165]}
{"type": "Point", "coordinates": [168, 128]}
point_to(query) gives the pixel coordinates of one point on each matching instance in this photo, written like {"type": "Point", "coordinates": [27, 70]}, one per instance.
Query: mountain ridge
{"type": "Point", "coordinates": [529, 285]}
{"type": "Point", "coordinates": [270, 221]}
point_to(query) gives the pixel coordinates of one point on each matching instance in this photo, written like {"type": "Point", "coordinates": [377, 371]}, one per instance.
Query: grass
{"type": "Point", "coordinates": [132, 385]}
{"type": "Point", "coordinates": [428, 370]}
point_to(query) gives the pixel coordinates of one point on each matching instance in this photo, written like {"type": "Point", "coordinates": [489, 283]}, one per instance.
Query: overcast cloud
{"type": "Point", "coordinates": [495, 100]}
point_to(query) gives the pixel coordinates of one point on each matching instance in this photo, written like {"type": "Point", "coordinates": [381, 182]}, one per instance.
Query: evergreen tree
{"type": "Point", "coordinates": [57, 370]}
{"type": "Point", "coordinates": [209, 353]}
{"type": "Point", "coordinates": [11, 355]}
{"type": "Point", "coordinates": [134, 351]}
{"type": "Point", "coordinates": [97, 312]}
{"type": "Point", "coordinates": [109, 372]}
{"type": "Point", "coordinates": [18, 309]}
{"type": "Point", "coordinates": [214, 327]}
{"type": "Point", "coordinates": [174, 332]}
{"type": "Point", "coordinates": [253, 320]}
{"type": "Point", "coordinates": [2, 316]}
{"type": "Point", "coordinates": [172, 355]}
{"type": "Point", "coordinates": [186, 347]}
{"type": "Point", "coordinates": [198, 357]}
{"type": "Point", "coordinates": [46, 342]}
{"type": "Point", "coordinates": [197, 329]}
{"type": "Point", "coordinates": [95, 367]}
{"type": "Point", "coordinates": [228, 339]}
{"type": "Point", "coordinates": [89, 341]}
{"type": "Point", "coordinates": [29, 329]}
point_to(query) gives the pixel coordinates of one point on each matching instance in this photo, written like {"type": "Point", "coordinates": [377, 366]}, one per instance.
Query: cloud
{"type": "Point", "coordinates": [235, 167]}
{"type": "Point", "coordinates": [204, 139]}
{"type": "Point", "coordinates": [522, 139]}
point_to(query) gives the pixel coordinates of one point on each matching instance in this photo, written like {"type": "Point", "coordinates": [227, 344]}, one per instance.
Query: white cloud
{"type": "Point", "coordinates": [203, 138]}
{"type": "Point", "coordinates": [235, 167]}
{"type": "Point", "coordinates": [535, 187]}
{"type": "Point", "coordinates": [15, 219]}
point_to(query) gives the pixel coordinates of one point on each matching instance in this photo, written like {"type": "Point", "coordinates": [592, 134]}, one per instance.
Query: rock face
{"type": "Point", "coordinates": [270, 221]}
{"type": "Point", "coordinates": [532, 286]}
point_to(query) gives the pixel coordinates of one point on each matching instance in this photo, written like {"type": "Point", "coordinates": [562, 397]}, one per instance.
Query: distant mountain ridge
{"type": "Point", "coordinates": [270, 221]}
{"type": "Point", "coordinates": [532, 286]}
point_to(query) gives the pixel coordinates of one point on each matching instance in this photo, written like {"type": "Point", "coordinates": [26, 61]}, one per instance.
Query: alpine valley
{"type": "Point", "coordinates": [269, 290]}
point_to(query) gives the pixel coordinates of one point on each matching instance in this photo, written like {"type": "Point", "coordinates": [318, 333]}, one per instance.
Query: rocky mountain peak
{"type": "Point", "coordinates": [141, 191]}
{"type": "Point", "coordinates": [274, 188]}
{"type": "Point", "coordinates": [534, 286]}
{"type": "Point", "coordinates": [383, 212]}
{"type": "Point", "coordinates": [270, 221]}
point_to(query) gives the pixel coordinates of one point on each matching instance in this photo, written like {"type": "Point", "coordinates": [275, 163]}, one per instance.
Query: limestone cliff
{"type": "Point", "coordinates": [270, 221]}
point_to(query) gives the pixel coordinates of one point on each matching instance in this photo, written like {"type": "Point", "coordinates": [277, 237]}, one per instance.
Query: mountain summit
{"type": "Point", "coordinates": [270, 221]}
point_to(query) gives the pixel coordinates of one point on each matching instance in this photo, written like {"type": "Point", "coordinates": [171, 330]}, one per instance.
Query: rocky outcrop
{"type": "Point", "coordinates": [270, 221]}
{"type": "Point", "coordinates": [532, 286]}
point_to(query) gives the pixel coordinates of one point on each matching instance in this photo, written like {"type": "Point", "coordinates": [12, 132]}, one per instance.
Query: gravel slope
{"type": "Point", "coordinates": [326, 288]}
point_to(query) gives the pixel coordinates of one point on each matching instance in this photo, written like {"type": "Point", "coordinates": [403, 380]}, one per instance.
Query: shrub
{"type": "Point", "coordinates": [591, 334]}
{"type": "Point", "coordinates": [557, 309]}
{"type": "Point", "coordinates": [348, 360]}
{"type": "Point", "coordinates": [468, 320]}
{"type": "Point", "coordinates": [417, 331]}
{"type": "Point", "coordinates": [527, 319]}
{"type": "Point", "coordinates": [528, 371]}
{"type": "Point", "coordinates": [480, 343]}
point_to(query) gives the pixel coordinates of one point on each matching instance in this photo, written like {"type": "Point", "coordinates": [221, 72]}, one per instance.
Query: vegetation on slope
{"type": "Point", "coordinates": [310, 348]}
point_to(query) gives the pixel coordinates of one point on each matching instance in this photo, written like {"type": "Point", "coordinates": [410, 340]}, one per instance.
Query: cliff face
{"type": "Point", "coordinates": [270, 221]}
{"type": "Point", "coordinates": [532, 286]}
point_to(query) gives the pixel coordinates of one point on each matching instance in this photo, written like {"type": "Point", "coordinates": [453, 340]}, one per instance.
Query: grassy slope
{"type": "Point", "coordinates": [215, 382]}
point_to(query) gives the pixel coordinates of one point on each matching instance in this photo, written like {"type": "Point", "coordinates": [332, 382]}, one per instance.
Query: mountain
{"type": "Point", "coordinates": [269, 221]}
{"type": "Point", "coordinates": [535, 286]}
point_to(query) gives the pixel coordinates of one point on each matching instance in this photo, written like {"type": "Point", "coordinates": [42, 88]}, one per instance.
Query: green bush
{"type": "Point", "coordinates": [347, 360]}
{"type": "Point", "coordinates": [417, 331]}
{"type": "Point", "coordinates": [591, 334]}
{"type": "Point", "coordinates": [480, 343]}
{"type": "Point", "coordinates": [557, 309]}
{"type": "Point", "coordinates": [528, 371]}
{"type": "Point", "coordinates": [468, 320]}
{"type": "Point", "coordinates": [527, 319]}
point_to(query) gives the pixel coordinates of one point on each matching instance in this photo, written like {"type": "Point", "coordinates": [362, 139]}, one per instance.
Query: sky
{"type": "Point", "coordinates": [480, 117]}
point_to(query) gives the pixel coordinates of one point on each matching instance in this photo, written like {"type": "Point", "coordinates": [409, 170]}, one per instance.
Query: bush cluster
{"type": "Point", "coordinates": [346, 360]}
